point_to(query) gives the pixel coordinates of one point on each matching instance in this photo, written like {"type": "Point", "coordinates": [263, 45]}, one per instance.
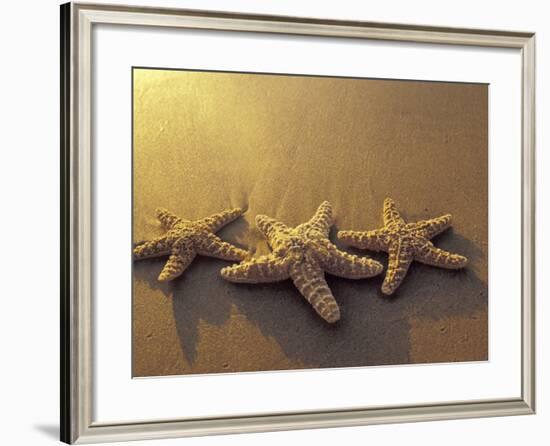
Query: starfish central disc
{"type": "Point", "coordinates": [185, 239]}
{"type": "Point", "coordinates": [303, 254]}
{"type": "Point", "coordinates": [405, 242]}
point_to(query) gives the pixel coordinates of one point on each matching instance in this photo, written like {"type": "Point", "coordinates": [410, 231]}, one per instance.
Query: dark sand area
{"type": "Point", "coordinates": [280, 145]}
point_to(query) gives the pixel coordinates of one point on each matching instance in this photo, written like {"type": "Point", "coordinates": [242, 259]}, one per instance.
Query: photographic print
{"type": "Point", "coordinates": [287, 222]}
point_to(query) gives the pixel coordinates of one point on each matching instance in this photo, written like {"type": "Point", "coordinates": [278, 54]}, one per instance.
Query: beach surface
{"type": "Point", "coordinates": [280, 145]}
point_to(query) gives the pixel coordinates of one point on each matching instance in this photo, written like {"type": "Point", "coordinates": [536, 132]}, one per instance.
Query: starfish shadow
{"type": "Point", "coordinates": [235, 233]}
{"type": "Point", "coordinates": [374, 329]}
{"type": "Point", "coordinates": [454, 242]}
{"type": "Point", "coordinates": [192, 301]}
{"type": "Point", "coordinates": [282, 313]}
{"type": "Point", "coordinates": [148, 270]}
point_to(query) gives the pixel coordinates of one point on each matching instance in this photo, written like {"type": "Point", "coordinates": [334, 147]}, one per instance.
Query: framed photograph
{"type": "Point", "coordinates": [275, 223]}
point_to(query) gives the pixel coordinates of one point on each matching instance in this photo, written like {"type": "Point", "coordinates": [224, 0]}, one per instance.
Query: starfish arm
{"type": "Point", "coordinates": [269, 226]}
{"type": "Point", "coordinates": [153, 248]}
{"type": "Point", "coordinates": [391, 214]}
{"type": "Point", "coordinates": [212, 246]}
{"type": "Point", "coordinates": [434, 226]}
{"type": "Point", "coordinates": [375, 240]}
{"type": "Point", "coordinates": [309, 278]}
{"type": "Point", "coordinates": [343, 264]}
{"type": "Point", "coordinates": [430, 255]}
{"type": "Point", "coordinates": [257, 270]}
{"type": "Point", "coordinates": [322, 220]}
{"type": "Point", "coordinates": [400, 258]}
{"type": "Point", "coordinates": [182, 255]}
{"type": "Point", "coordinates": [167, 219]}
{"type": "Point", "coordinates": [217, 221]}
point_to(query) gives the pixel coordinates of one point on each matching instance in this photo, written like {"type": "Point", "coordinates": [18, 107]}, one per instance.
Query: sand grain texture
{"type": "Point", "coordinates": [280, 145]}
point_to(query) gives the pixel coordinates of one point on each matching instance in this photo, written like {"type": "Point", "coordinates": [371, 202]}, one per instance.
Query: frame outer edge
{"type": "Point", "coordinates": [515, 37]}
{"type": "Point", "coordinates": [76, 248]}
{"type": "Point", "coordinates": [319, 420]}
{"type": "Point", "coordinates": [65, 218]}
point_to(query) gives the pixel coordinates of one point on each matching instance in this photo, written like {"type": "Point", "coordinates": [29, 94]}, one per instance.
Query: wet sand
{"type": "Point", "coordinates": [280, 145]}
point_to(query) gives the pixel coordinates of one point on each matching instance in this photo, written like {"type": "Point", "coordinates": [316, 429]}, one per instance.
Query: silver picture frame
{"type": "Point", "coordinates": [77, 21]}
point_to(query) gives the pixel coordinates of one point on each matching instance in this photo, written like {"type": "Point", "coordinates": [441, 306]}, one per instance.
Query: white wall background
{"type": "Point", "coordinates": [29, 184]}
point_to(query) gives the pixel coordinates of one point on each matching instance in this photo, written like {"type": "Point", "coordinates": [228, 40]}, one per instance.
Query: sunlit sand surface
{"type": "Point", "coordinates": [280, 145]}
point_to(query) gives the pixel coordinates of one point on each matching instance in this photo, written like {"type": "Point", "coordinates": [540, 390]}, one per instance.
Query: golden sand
{"type": "Point", "coordinates": [280, 145]}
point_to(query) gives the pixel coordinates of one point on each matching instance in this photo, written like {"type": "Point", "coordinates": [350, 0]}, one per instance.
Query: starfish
{"type": "Point", "coordinates": [185, 239]}
{"type": "Point", "coordinates": [405, 242]}
{"type": "Point", "coordinates": [303, 254]}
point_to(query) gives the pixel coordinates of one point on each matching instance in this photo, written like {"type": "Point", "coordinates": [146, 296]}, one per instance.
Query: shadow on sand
{"type": "Point", "coordinates": [373, 330]}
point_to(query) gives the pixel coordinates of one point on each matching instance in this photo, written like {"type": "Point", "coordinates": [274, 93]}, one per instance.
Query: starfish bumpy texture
{"type": "Point", "coordinates": [303, 254]}
{"type": "Point", "coordinates": [405, 242]}
{"type": "Point", "coordinates": [185, 239]}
